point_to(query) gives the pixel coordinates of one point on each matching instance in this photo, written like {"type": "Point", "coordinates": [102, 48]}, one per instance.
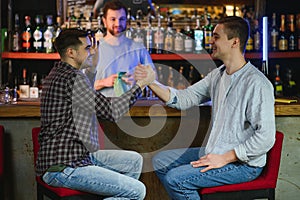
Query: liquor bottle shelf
{"type": "Point", "coordinates": [55, 56]}
{"type": "Point", "coordinates": [33, 56]}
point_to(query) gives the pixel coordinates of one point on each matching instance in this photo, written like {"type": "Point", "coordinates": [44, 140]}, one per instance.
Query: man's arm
{"type": "Point", "coordinates": [106, 82]}
{"type": "Point", "coordinates": [159, 89]}
{"type": "Point", "coordinates": [162, 91]}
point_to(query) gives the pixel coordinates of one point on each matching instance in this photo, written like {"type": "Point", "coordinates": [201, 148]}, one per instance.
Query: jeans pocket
{"type": "Point", "coordinates": [49, 177]}
{"type": "Point", "coordinates": [254, 172]}
{"type": "Point", "coordinates": [58, 179]}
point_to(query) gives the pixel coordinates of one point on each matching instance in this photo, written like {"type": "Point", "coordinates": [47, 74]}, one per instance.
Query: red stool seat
{"type": "Point", "coordinates": [262, 187]}
{"type": "Point", "coordinates": [1, 162]}
{"type": "Point", "coordinates": [56, 193]}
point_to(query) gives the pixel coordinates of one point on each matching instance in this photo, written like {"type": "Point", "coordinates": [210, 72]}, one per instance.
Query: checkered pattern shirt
{"type": "Point", "coordinates": [69, 110]}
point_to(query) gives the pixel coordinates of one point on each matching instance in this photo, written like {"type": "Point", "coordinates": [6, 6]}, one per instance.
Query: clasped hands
{"type": "Point", "coordinates": [143, 75]}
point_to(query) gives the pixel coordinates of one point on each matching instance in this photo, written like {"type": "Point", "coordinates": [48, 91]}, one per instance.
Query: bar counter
{"type": "Point", "coordinates": [149, 127]}
{"type": "Point", "coordinates": [140, 109]}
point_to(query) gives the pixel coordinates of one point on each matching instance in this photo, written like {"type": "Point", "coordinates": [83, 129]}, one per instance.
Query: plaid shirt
{"type": "Point", "coordinates": [69, 110]}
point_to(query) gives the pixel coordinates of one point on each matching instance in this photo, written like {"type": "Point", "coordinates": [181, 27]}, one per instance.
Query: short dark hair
{"type": "Point", "coordinates": [113, 5]}
{"type": "Point", "coordinates": [68, 38]}
{"type": "Point", "coordinates": [236, 27]}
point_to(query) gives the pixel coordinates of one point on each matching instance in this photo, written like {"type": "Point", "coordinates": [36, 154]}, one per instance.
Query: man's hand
{"type": "Point", "coordinates": [107, 82]}
{"type": "Point", "coordinates": [128, 79]}
{"type": "Point", "coordinates": [213, 161]}
{"type": "Point", "coordinates": [144, 75]}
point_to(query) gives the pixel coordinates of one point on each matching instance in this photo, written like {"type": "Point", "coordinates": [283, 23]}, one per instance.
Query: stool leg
{"type": "Point", "coordinates": [271, 194]}
{"type": "Point", "coordinates": [40, 195]}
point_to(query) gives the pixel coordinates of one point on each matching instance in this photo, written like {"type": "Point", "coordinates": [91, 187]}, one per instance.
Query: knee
{"type": "Point", "coordinates": [138, 159]}
{"type": "Point", "coordinates": [157, 161]}
{"type": "Point", "coordinates": [171, 178]}
{"type": "Point", "coordinates": [140, 192]}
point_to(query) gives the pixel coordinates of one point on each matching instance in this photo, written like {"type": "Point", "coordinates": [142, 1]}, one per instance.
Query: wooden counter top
{"type": "Point", "coordinates": [142, 108]}
{"type": "Point", "coordinates": [288, 109]}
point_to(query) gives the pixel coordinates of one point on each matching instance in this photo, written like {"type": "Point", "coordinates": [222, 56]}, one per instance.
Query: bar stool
{"type": "Point", "coordinates": [56, 193]}
{"type": "Point", "coordinates": [1, 161]}
{"type": "Point", "coordinates": [262, 187]}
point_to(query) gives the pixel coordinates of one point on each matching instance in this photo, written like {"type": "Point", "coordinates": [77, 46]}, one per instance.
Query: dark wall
{"type": "Point", "coordinates": [3, 13]}
{"type": "Point", "coordinates": [282, 7]}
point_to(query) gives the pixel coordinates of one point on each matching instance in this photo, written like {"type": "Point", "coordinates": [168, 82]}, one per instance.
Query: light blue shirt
{"type": "Point", "coordinates": [121, 58]}
{"type": "Point", "coordinates": [245, 120]}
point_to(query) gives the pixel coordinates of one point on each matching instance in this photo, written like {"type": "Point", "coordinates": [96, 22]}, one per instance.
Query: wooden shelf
{"type": "Point", "coordinates": [32, 56]}
{"type": "Point", "coordinates": [55, 56]}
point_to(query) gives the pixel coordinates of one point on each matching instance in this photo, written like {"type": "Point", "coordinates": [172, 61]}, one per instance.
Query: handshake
{"type": "Point", "coordinates": [144, 75]}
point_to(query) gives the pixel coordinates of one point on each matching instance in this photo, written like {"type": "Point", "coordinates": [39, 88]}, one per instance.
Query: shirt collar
{"type": "Point", "coordinates": [237, 73]}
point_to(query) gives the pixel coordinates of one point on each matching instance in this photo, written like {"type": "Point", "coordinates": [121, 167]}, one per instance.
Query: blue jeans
{"type": "Point", "coordinates": [114, 174]}
{"type": "Point", "coordinates": [182, 181]}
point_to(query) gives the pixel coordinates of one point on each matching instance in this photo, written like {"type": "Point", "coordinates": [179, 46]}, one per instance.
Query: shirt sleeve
{"type": "Point", "coordinates": [260, 114]}
{"type": "Point", "coordinates": [91, 101]}
{"type": "Point", "coordinates": [194, 95]}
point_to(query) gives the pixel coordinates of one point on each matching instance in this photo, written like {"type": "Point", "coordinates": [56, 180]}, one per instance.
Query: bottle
{"type": "Point", "coordinates": [57, 29]}
{"type": "Point", "coordinates": [289, 86]}
{"type": "Point", "coordinates": [191, 78]}
{"type": "Point", "coordinates": [24, 86]}
{"type": "Point", "coordinates": [149, 34]}
{"type": "Point", "coordinates": [159, 36]}
{"type": "Point", "coordinates": [79, 21]}
{"type": "Point", "coordinates": [160, 74]}
{"type": "Point", "coordinates": [282, 38]}
{"type": "Point", "coordinates": [291, 33]}
{"type": "Point", "coordinates": [170, 78]}
{"type": "Point", "coordinates": [208, 33]}
{"type": "Point", "coordinates": [88, 28]}
{"type": "Point", "coordinates": [139, 36]}
{"type": "Point", "coordinates": [15, 91]}
{"type": "Point", "coordinates": [38, 35]}
{"type": "Point", "coordinates": [169, 38]}
{"type": "Point", "coordinates": [48, 35]}
{"type": "Point", "coordinates": [129, 31]}
{"type": "Point", "coordinates": [16, 46]}
{"type": "Point", "coordinates": [100, 32]}
{"type": "Point", "coordinates": [278, 87]}
{"type": "Point", "coordinates": [27, 35]}
{"type": "Point", "coordinates": [7, 97]}
{"type": "Point", "coordinates": [178, 42]}
{"type": "Point", "coordinates": [249, 45]}
{"type": "Point", "coordinates": [139, 15]}
{"type": "Point", "coordinates": [181, 80]}
{"type": "Point", "coordinates": [199, 37]}
{"type": "Point", "coordinates": [274, 34]}
{"type": "Point", "coordinates": [70, 19]}
{"type": "Point", "coordinates": [265, 68]}
{"type": "Point", "coordinates": [34, 90]}
{"type": "Point", "coordinates": [195, 14]}
{"type": "Point", "coordinates": [256, 37]}
{"type": "Point", "coordinates": [188, 39]}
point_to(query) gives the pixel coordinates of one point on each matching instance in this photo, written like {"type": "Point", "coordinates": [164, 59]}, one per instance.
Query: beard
{"type": "Point", "coordinates": [117, 31]}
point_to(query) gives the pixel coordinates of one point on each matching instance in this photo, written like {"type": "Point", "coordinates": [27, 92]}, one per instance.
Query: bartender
{"type": "Point", "coordinates": [134, 5]}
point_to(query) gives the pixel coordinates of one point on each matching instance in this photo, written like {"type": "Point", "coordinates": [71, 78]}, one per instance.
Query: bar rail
{"type": "Point", "coordinates": [142, 108]}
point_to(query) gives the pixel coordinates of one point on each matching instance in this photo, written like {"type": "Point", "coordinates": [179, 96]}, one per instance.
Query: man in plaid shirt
{"type": "Point", "coordinates": [69, 154]}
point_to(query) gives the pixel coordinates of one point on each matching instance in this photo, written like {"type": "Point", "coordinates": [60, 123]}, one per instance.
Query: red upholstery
{"type": "Point", "coordinates": [267, 180]}
{"type": "Point", "coordinates": [1, 162]}
{"type": "Point", "coordinates": [43, 188]}
{"type": "Point", "coordinates": [1, 151]}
